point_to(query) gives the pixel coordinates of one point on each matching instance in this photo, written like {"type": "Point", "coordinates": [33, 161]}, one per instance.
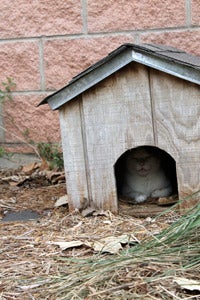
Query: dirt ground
{"type": "Point", "coordinates": [28, 248]}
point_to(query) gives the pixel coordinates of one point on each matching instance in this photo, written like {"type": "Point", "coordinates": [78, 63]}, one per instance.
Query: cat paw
{"type": "Point", "coordinates": [156, 194]}
{"type": "Point", "coordinates": [140, 198]}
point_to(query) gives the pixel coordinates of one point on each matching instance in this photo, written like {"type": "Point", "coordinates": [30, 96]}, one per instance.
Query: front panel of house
{"type": "Point", "coordinates": [176, 105]}
{"type": "Point", "coordinates": [117, 116]}
{"type": "Point", "coordinates": [135, 106]}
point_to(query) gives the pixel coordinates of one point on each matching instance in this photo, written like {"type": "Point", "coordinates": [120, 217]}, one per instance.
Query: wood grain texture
{"type": "Point", "coordinates": [74, 155]}
{"type": "Point", "coordinates": [136, 106]}
{"type": "Point", "coordinates": [117, 116]}
{"type": "Point", "coordinates": [2, 135]}
{"type": "Point", "coordinates": [177, 122]}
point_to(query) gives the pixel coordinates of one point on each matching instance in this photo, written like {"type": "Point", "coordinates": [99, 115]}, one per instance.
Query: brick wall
{"type": "Point", "coordinates": [43, 44]}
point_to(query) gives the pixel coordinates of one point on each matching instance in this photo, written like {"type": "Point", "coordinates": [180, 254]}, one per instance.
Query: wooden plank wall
{"type": "Point", "coordinates": [117, 117]}
{"type": "Point", "coordinates": [135, 106]}
{"type": "Point", "coordinates": [73, 152]}
{"type": "Point", "coordinates": [177, 126]}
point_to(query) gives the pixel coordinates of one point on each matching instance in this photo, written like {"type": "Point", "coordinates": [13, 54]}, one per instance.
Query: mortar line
{"type": "Point", "coordinates": [84, 16]}
{"type": "Point", "coordinates": [188, 12]}
{"type": "Point", "coordinates": [41, 64]}
{"type": "Point", "coordinates": [33, 92]}
{"type": "Point", "coordinates": [101, 34]}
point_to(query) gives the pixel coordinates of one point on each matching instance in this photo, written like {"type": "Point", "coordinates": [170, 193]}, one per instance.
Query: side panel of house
{"type": "Point", "coordinates": [73, 152]}
{"type": "Point", "coordinates": [177, 124]}
{"type": "Point", "coordinates": [1, 123]}
{"type": "Point", "coordinates": [117, 116]}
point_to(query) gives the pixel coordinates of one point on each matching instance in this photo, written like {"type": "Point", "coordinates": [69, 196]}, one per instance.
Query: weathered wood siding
{"type": "Point", "coordinates": [73, 152]}
{"type": "Point", "coordinates": [177, 126]}
{"type": "Point", "coordinates": [117, 117]}
{"type": "Point", "coordinates": [135, 106]}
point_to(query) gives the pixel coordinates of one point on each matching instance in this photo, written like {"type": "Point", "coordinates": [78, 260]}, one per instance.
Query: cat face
{"type": "Point", "coordinates": [142, 162]}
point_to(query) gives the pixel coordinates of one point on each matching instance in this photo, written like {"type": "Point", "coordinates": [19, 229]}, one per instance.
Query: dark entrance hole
{"type": "Point", "coordinates": [167, 163]}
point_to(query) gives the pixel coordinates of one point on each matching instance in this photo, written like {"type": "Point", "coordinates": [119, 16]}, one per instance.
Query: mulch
{"type": "Point", "coordinates": [28, 250]}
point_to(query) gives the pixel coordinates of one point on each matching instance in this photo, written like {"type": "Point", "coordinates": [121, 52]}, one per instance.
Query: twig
{"type": "Point", "coordinates": [115, 288]}
{"type": "Point", "coordinates": [170, 293]}
{"type": "Point", "coordinates": [22, 140]}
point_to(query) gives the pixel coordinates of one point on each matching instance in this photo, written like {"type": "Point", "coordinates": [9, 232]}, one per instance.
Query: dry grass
{"type": "Point", "coordinates": [146, 271]}
{"type": "Point", "coordinates": [34, 268]}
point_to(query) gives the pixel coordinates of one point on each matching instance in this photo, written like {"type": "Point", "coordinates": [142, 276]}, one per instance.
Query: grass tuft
{"type": "Point", "coordinates": [145, 269]}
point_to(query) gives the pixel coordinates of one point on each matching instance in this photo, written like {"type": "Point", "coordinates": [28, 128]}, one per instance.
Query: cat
{"type": "Point", "coordinates": [144, 176]}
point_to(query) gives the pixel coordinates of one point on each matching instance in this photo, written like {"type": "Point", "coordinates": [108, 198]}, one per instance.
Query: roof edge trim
{"type": "Point", "coordinates": [90, 79]}
{"type": "Point", "coordinates": [116, 60]}
{"type": "Point", "coordinates": [167, 66]}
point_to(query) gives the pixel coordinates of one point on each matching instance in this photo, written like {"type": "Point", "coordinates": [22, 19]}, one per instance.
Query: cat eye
{"type": "Point", "coordinates": [148, 157]}
{"type": "Point", "coordinates": [142, 159]}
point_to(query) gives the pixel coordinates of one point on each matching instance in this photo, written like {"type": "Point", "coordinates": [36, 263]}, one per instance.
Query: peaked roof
{"type": "Point", "coordinates": [164, 58]}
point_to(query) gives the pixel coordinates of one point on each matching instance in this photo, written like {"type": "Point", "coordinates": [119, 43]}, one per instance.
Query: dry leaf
{"type": "Point", "coordinates": [110, 244]}
{"type": "Point", "coordinates": [91, 211]}
{"type": "Point", "coordinates": [167, 200]}
{"type": "Point", "coordinates": [67, 245]}
{"type": "Point", "coordinates": [188, 284]}
{"type": "Point", "coordinates": [111, 247]}
{"type": "Point", "coordinates": [55, 177]}
{"type": "Point", "coordinates": [61, 201]}
{"type": "Point", "coordinates": [113, 244]}
{"type": "Point", "coordinates": [28, 169]}
{"type": "Point", "coordinates": [87, 212]}
{"type": "Point", "coordinates": [34, 285]}
{"type": "Point", "coordinates": [101, 213]}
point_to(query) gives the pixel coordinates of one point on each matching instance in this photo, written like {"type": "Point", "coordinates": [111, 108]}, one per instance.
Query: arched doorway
{"type": "Point", "coordinates": [167, 163]}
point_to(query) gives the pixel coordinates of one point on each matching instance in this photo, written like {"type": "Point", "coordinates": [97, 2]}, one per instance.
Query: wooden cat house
{"type": "Point", "coordinates": [137, 95]}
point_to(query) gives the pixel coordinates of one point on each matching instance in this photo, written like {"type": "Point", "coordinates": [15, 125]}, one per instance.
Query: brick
{"type": "Point", "coordinates": [64, 59]}
{"type": "Point", "coordinates": [195, 12]}
{"type": "Point", "coordinates": [130, 15]}
{"type": "Point", "coordinates": [20, 60]}
{"type": "Point", "coordinates": [22, 18]}
{"type": "Point", "coordinates": [23, 120]}
{"type": "Point", "coordinates": [185, 40]}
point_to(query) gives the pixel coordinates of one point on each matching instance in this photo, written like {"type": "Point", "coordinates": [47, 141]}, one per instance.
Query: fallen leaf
{"type": "Point", "coordinates": [87, 212]}
{"type": "Point", "coordinates": [101, 213]}
{"type": "Point", "coordinates": [188, 284]}
{"type": "Point", "coordinates": [167, 200]}
{"type": "Point", "coordinates": [29, 168]}
{"type": "Point", "coordinates": [113, 244]}
{"type": "Point", "coordinates": [55, 177]}
{"type": "Point", "coordinates": [110, 244]}
{"type": "Point", "coordinates": [32, 286]}
{"type": "Point", "coordinates": [110, 247]}
{"type": "Point", "coordinates": [61, 201]}
{"type": "Point", "coordinates": [91, 211]}
{"type": "Point", "coordinates": [67, 245]}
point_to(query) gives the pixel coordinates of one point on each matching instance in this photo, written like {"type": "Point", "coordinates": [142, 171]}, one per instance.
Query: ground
{"type": "Point", "coordinates": [30, 250]}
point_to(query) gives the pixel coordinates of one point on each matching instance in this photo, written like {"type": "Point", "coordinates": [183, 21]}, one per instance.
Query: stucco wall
{"type": "Point", "coordinates": [43, 44]}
